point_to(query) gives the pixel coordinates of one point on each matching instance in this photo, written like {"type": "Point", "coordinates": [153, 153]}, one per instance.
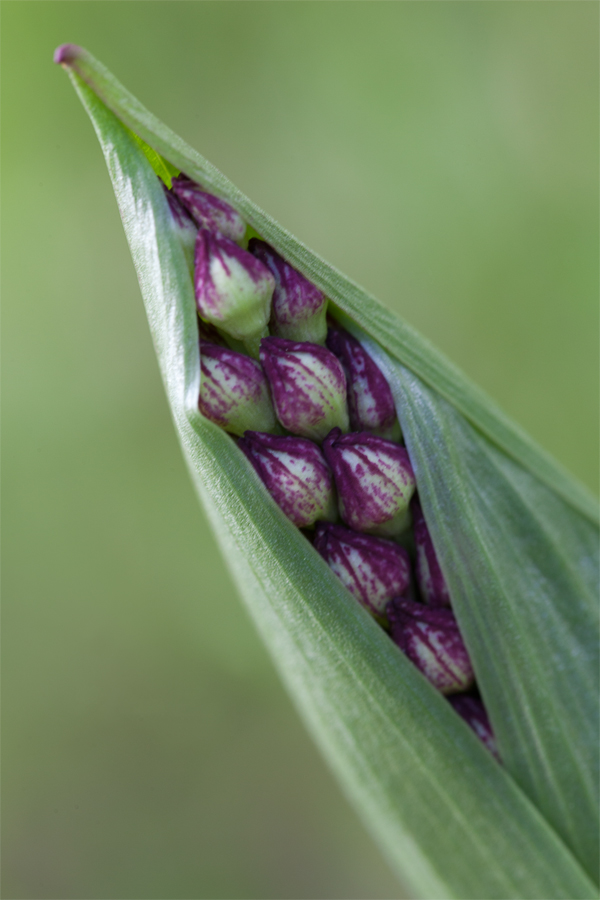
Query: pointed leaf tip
{"type": "Point", "coordinates": [67, 53]}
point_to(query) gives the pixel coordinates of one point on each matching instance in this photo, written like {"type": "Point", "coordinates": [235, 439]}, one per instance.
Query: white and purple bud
{"type": "Point", "coordinates": [308, 387]}
{"type": "Point", "coordinates": [234, 392]}
{"type": "Point", "coordinates": [374, 570]}
{"type": "Point", "coordinates": [374, 481]}
{"type": "Point", "coordinates": [233, 289]}
{"type": "Point", "coordinates": [208, 211]}
{"type": "Point", "coordinates": [299, 308]}
{"type": "Point", "coordinates": [370, 401]}
{"type": "Point", "coordinates": [430, 638]}
{"type": "Point", "coordinates": [472, 710]}
{"type": "Point", "coordinates": [295, 474]}
{"type": "Point", "coordinates": [184, 226]}
{"type": "Point", "coordinates": [430, 577]}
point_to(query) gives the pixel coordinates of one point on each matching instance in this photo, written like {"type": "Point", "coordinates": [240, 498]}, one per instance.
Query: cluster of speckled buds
{"type": "Point", "coordinates": [316, 418]}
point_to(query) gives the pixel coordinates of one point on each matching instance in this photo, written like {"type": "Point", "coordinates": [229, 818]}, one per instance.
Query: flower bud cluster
{"type": "Point", "coordinates": [316, 419]}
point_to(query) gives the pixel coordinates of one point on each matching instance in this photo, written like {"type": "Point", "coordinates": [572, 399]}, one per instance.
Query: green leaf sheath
{"type": "Point", "coordinates": [522, 567]}
{"type": "Point", "coordinates": [451, 820]}
{"type": "Point", "coordinates": [388, 329]}
{"type": "Point", "coordinates": [162, 167]}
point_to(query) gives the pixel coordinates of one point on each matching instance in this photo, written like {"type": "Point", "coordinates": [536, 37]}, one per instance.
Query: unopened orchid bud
{"type": "Point", "coordinates": [430, 577]}
{"type": "Point", "coordinates": [299, 308]}
{"type": "Point", "coordinates": [296, 475]}
{"type": "Point", "coordinates": [184, 226]}
{"type": "Point", "coordinates": [233, 289]}
{"type": "Point", "coordinates": [308, 386]}
{"type": "Point", "coordinates": [431, 640]}
{"type": "Point", "coordinates": [209, 211]}
{"type": "Point", "coordinates": [472, 710]}
{"type": "Point", "coordinates": [374, 570]}
{"type": "Point", "coordinates": [374, 480]}
{"type": "Point", "coordinates": [233, 390]}
{"type": "Point", "coordinates": [370, 401]}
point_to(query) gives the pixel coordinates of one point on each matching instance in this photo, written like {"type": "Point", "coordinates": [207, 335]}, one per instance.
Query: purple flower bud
{"type": "Point", "coordinates": [370, 401]}
{"type": "Point", "coordinates": [233, 390]}
{"type": "Point", "coordinates": [308, 386]}
{"type": "Point", "coordinates": [208, 211]}
{"type": "Point", "coordinates": [374, 570]}
{"type": "Point", "coordinates": [299, 308]}
{"type": "Point", "coordinates": [296, 475]}
{"type": "Point", "coordinates": [473, 712]}
{"type": "Point", "coordinates": [430, 577]}
{"type": "Point", "coordinates": [431, 640]}
{"type": "Point", "coordinates": [233, 289]}
{"type": "Point", "coordinates": [184, 226]}
{"type": "Point", "coordinates": [374, 480]}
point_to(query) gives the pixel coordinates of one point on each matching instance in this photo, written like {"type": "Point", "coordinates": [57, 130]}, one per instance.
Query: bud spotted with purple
{"type": "Point", "coordinates": [373, 569]}
{"type": "Point", "coordinates": [308, 386]}
{"type": "Point", "coordinates": [430, 577]}
{"type": "Point", "coordinates": [184, 226]}
{"type": "Point", "coordinates": [296, 475]}
{"type": "Point", "coordinates": [431, 640]}
{"type": "Point", "coordinates": [370, 401]}
{"type": "Point", "coordinates": [317, 394]}
{"type": "Point", "coordinates": [299, 308]}
{"type": "Point", "coordinates": [233, 289]}
{"type": "Point", "coordinates": [208, 211]}
{"type": "Point", "coordinates": [233, 390]}
{"type": "Point", "coordinates": [374, 480]}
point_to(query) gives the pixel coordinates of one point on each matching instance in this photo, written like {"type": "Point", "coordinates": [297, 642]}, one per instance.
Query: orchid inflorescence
{"type": "Point", "coordinates": [359, 587]}
{"type": "Point", "coordinates": [316, 418]}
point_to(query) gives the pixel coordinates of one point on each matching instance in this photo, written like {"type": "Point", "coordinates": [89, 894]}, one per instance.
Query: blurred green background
{"type": "Point", "coordinates": [442, 154]}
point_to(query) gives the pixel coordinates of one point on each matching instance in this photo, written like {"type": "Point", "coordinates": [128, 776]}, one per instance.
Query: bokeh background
{"type": "Point", "coordinates": [445, 156]}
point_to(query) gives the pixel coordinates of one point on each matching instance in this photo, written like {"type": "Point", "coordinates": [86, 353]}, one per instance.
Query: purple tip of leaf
{"type": "Point", "coordinates": [209, 211]}
{"type": "Point", "coordinates": [295, 473]}
{"type": "Point", "coordinates": [373, 569]}
{"type": "Point", "coordinates": [430, 577]}
{"type": "Point", "coordinates": [308, 386]}
{"type": "Point", "coordinates": [294, 297]}
{"type": "Point", "coordinates": [472, 710]}
{"type": "Point", "coordinates": [370, 401]}
{"type": "Point", "coordinates": [373, 476]}
{"type": "Point", "coordinates": [430, 637]}
{"type": "Point", "coordinates": [66, 54]}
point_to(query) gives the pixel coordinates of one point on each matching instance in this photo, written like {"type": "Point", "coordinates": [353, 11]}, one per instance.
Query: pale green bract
{"type": "Point", "coordinates": [517, 540]}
